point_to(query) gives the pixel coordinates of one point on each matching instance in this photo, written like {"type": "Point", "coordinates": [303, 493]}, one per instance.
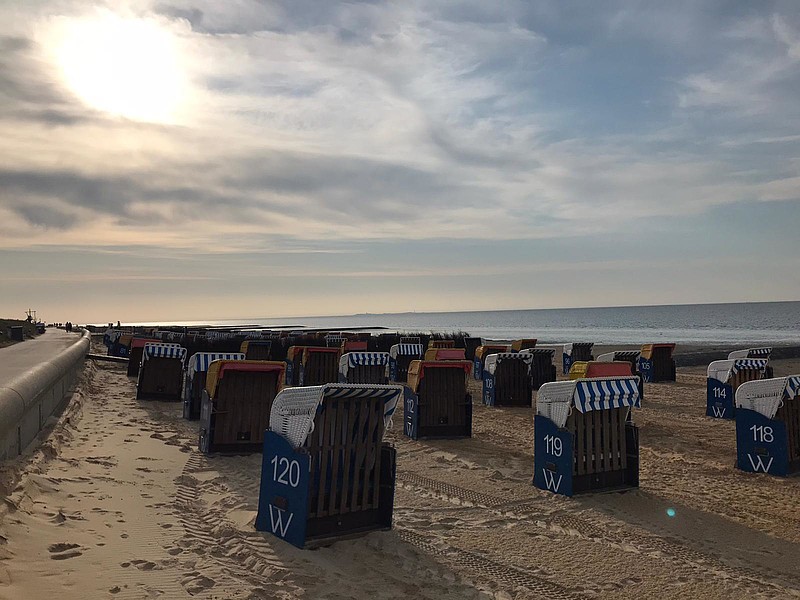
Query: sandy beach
{"type": "Point", "coordinates": [116, 502]}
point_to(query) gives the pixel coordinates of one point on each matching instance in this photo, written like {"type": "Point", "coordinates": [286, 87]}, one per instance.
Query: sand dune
{"type": "Point", "coordinates": [118, 503]}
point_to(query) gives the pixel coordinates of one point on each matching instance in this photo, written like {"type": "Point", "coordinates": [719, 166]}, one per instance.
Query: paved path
{"type": "Point", "coordinates": [16, 359]}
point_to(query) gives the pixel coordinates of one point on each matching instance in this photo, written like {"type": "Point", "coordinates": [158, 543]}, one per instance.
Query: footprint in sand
{"type": "Point", "coordinates": [63, 551]}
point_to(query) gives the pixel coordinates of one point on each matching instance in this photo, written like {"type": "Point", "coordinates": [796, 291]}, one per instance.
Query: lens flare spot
{"type": "Point", "coordinates": [671, 512]}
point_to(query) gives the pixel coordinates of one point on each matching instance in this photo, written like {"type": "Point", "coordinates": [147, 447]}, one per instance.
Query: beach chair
{"type": "Point", "coordinates": [294, 360]}
{"type": "Point", "coordinates": [364, 367]}
{"type": "Point", "coordinates": [410, 340]}
{"type": "Point", "coordinates": [400, 356]}
{"type": "Point", "coordinates": [161, 372]}
{"type": "Point", "coordinates": [256, 349]}
{"type": "Point", "coordinates": [764, 352]}
{"type": "Point", "coordinates": [768, 426]}
{"type": "Point", "coordinates": [326, 472]}
{"type": "Point", "coordinates": [470, 345]}
{"type": "Point", "coordinates": [236, 404]}
{"type": "Point", "coordinates": [441, 343]}
{"type": "Point", "coordinates": [583, 439]}
{"type": "Point", "coordinates": [121, 345]}
{"type": "Point", "coordinates": [507, 379]}
{"type": "Point", "coordinates": [135, 353]}
{"type": "Point", "coordinates": [480, 357]}
{"type": "Point", "coordinates": [596, 368]}
{"type": "Point", "coordinates": [320, 365]}
{"type": "Point", "coordinates": [575, 351]}
{"type": "Point", "coordinates": [195, 382]}
{"type": "Point", "coordinates": [656, 363]}
{"type": "Point", "coordinates": [523, 344]}
{"type": "Point", "coordinates": [542, 368]}
{"type": "Point", "coordinates": [437, 404]}
{"type": "Point", "coordinates": [432, 354]}
{"type": "Point", "coordinates": [351, 345]}
{"type": "Point", "coordinates": [334, 340]}
{"type": "Point", "coordinates": [723, 379]}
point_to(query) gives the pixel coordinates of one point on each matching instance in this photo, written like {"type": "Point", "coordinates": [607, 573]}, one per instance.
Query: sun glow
{"type": "Point", "coordinates": [125, 67]}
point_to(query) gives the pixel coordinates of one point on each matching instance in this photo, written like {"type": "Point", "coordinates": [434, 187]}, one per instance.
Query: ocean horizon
{"type": "Point", "coordinates": [742, 322]}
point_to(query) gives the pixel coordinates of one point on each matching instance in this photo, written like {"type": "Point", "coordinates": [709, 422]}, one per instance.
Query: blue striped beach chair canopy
{"type": "Point", "coordinates": [723, 370]}
{"type": "Point", "coordinates": [357, 359]}
{"type": "Point", "coordinates": [555, 400]}
{"type": "Point", "coordinates": [294, 409]}
{"type": "Point", "coordinates": [410, 349]}
{"type": "Point", "coordinates": [764, 352]}
{"type": "Point", "coordinates": [765, 396]}
{"type": "Point", "coordinates": [495, 359]}
{"type": "Point", "coordinates": [199, 361]}
{"type": "Point", "coordinates": [152, 350]}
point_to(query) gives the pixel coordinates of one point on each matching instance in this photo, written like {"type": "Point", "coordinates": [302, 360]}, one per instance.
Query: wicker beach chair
{"type": "Point", "coordinates": [583, 439]}
{"type": "Point", "coordinates": [364, 367]}
{"type": "Point", "coordinates": [763, 352]}
{"type": "Point", "coordinates": [576, 351]}
{"type": "Point", "coordinates": [542, 368]}
{"type": "Point", "coordinates": [656, 363]}
{"type": "Point", "coordinates": [723, 379]}
{"type": "Point", "coordinates": [236, 404]}
{"type": "Point", "coordinates": [523, 344]}
{"type": "Point", "coordinates": [320, 365]}
{"type": "Point", "coordinates": [327, 474]}
{"type": "Point", "coordinates": [437, 404]}
{"type": "Point", "coordinates": [400, 356]}
{"type": "Point", "coordinates": [136, 349]}
{"type": "Point", "coordinates": [768, 426]}
{"type": "Point", "coordinates": [507, 379]}
{"type": "Point", "coordinates": [195, 383]}
{"type": "Point", "coordinates": [161, 372]}
{"type": "Point", "coordinates": [480, 357]}
{"type": "Point", "coordinates": [256, 349]}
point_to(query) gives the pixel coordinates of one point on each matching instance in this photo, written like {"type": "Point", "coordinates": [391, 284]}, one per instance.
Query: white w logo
{"type": "Point", "coordinates": [718, 411]}
{"type": "Point", "coordinates": [758, 464]}
{"type": "Point", "coordinates": [550, 480]}
{"type": "Point", "coordinates": [277, 523]}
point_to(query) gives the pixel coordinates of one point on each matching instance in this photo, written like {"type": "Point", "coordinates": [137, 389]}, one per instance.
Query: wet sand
{"type": "Point", "coordinates": [118, 503]}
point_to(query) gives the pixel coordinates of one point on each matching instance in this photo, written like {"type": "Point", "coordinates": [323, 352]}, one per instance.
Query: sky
{"type": "Point", "coordinates": [199, 160]}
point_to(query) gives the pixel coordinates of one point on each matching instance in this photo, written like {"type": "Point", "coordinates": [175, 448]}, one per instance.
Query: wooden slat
{"type": "Point", "coordinates": [614, 418]}
{"type": "Point", "coordinates": [348, 455]}
{"type": "Point", "coordinates": [580, 438]}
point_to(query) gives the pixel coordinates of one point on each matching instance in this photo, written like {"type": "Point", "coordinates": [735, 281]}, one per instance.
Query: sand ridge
{"type": "Point", "coordinates": [118, 503]}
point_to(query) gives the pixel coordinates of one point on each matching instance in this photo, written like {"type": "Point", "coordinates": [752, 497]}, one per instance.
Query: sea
{"type": "Point", "coordinates": [742, 323]}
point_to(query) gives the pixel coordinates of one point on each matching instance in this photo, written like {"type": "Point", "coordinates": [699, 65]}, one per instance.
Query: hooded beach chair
{"type": "Point", "coordinates": [523, 344]}
{"type": "Point", "coordinates": [597, 368]}
{"type": "Point", "coordinates": [135, 353]}
{"type": "Point", "coordinates": [583, 439]}
{"type": "Point", "coordinates": [294, 360]}
{"type": "Point", "coordinates": [445, 354]}
{"type": "Point", "coordinates": [768, 426]}
{"type": "Point", "coordinates": [723, 379]}
{"type": "Point", "coordinates": [364, 367]}
{"type": "Point", "coordinates": [656, 363]}
{"type": "Point", "coordinates": [400, 356]}
{"type": "Point", "coordinates": [574, 352]}
{"type": "Point", "coordinates": [437, 403]}
{"type": "Point", "coordinates": [256, 349]}
{"type": "Point", "coordinates": [470, 345]}
{"type": "Point", "coordinates": [481, 352]}
{"type": "Point", "coordinates": [161, 372]}
{"type": "Point", "coordinates": [121, 346]}
{"type": "Point", "coordinates": [196, 372]}
{"type": "Point", "coordinates": [320, 365]}
{"type": "Point", "coordinates": [334, 340]}
{"type": "Point", "coordinates": [507, 379]}
{"type": "Point", "coordinates": [354, 345]}
{"type": "Point", "coordinates": [236, 404]}
{"type": "Point", "coordinates": [441, 343]}
{"type": "Point", "coordinates": [326, 471]}
{"type": "Point", "coordinates": [542, 368]}
{"type": "Point", "coordinates": [764, 352]}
